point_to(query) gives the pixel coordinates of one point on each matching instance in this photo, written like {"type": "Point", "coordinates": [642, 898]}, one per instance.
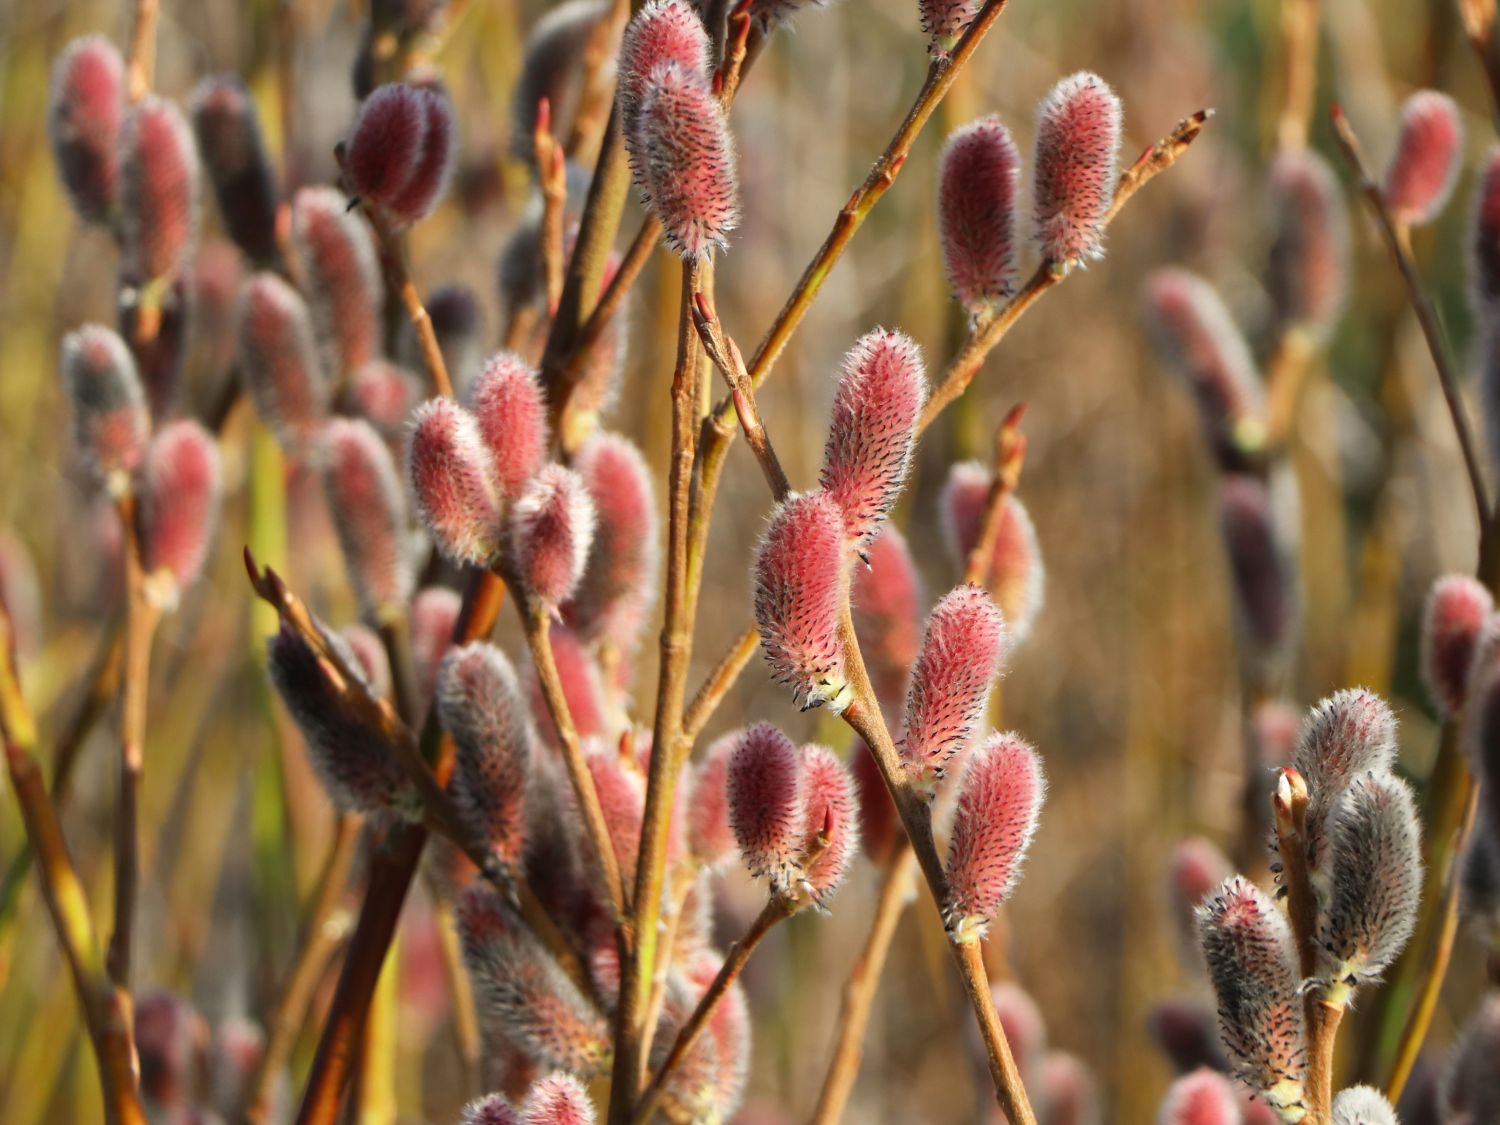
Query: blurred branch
{"type": "Point", "coordinates": [1299, 70]}
{"type": "Point", "coordinates": [398, 277]}
{"type": "Point", "coordinates": [552, 175]}
{"type": "Point", "coordinates": [140, 65]}
{"type": "Point", "coordinates": [1478, 18]}
{"type": "Point", "coordinates": [1010, 454]}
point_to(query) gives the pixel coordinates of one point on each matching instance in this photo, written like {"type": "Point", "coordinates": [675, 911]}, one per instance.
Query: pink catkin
{"type": "Point", "coordinates": [1017, 578]}
{"type": "Point", "coordinates": [170, 1035]}
{"type": "Point", "coordinates": [558, 1099]}
{"type": "Point", "coordinates": [832, 813]}
{"type": "Point", "coordinates": [582, 684]}
{"type": "Point", "coordinates": [279, 361]}
{"type": "Point", "coordinates": [683, 159]}
{"type": "Point", "coordinates": [1203, 1097]}
{"type": "Point", "coordinates": [434, 615]}
{"type": "Point", "coordinates": [181, 489]}
{"type": "Point", "coordinates": [451, 476]}
{"type": "Point", "coordinates": [111, 423]}
{"type": "Point", "coordinates": [384, 394]}
{"type": "Point", "coordinates": [506, 400]}
{"type": "Point", "coordinates": [1262, 583]}
{"type": "Point", "coordinates": [873, 430]}
{"type": "Point", "coordinates": [962, 648]}
{"type": "Point", "coordinates": [551, 529]}
{"type": "Point", "coordinates": [621, 789]}
{"type": "Point", "coordinates": [1021, 1020]}
{"type": "Point", "coordinates": [998, 807]}
{"type": "Point", "coordinates": [614, 597]}
{"type": "Point", "coordinates": [879, 826]}
{"type": "Point", "coordinates": [1077, 138]}
{"type": "Point", "coordinates": [663, 31]}
{"type": "Point", "coordinates": [945, 21]}
{"type": "Point", "coordinates": [335, 257]}
{"type": "Point", "coordinates": [85, 110]}
{"type": "Point", "coordinates": [886, 598]}
{"type": "Point", "coordinates": [1484, 235]}
{"type": "Point", "coordinates": [400, 150]}
{"type": "Point", "coordinates": [368, 504]}
{"type": "Point", "coordinates": [159, 189]}
{"type": "Point", "coordinates": [1309, 269]}
{"type": "Point", "coordinates": [556, 49]}
{"type": "Point", "coordinates": [492, 1109]}
{"type": "Point", "coordinates": [801, 583]}
{"type": "Point", "coordinates": [1456, 611]}
{"type": "Point", "coordinates": [710, 834]}
{"type": "Point", "coordinates": [234, 155]}
{"type": "Point", "coordinates": [977, 177]}
{"type": "Point", "coordinates": [1429, 150]}
{"type": "Point", "coordinates": [768, 806]}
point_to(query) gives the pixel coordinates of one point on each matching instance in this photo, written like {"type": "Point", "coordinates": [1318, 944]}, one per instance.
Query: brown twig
{"type": "Point", "coordinates": [1010, 454]}
{"type": "Point", "coordinates": [725, 354]}
{"type": "Point", "coordinates": [1299, 70]}
{"type": "Point", "coordinates": [553, 181]}
{"type": "Point", "coordinates": [398, 277]}
{"type": "Point", "coordinates": [140, 66]}
{"type": "Point", "coordinates": [720, 680]}
{"type": "Point", "coordinates": [1478, 18]}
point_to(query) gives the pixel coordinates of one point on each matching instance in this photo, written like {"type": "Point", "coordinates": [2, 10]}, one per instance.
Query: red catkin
{"type": "Point", "coordinates": [551, 529]}
{"type": "Point", "coordinates": [1077, 138]}
{"type": "Point", "coordinates": [180, 493]}
{"type": "Point", "coordinates": [111, 423]}
{"type": "Point", "coordinates": [1424, 167]}
{"type": "Point", "coordinates": [335, 258]}
{"type": "Point", "coordinates": [368, 504]}
{"type": "Point", "coordinates": [768, 806]}
{"type": "Point", "coordinates": [159, 177]}
{"type": "Point", "coordinates": [279, 362]}
{"type": "Point", "coordinates": [85, 109]}
{"type": "Point", "coordinates": [506, 401]}
{"type": "Point", "coordinates": [1457, 609]}
{"type": "Point", "coordinates": [977, 176]}
{"type": "Point", "coordinates": [451, 476]}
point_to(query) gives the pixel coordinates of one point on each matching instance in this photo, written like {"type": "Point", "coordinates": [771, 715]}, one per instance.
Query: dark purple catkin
{"type": "Point", "coordinates": [401, 149]}
{"type": "Point", "coordinates": [1309, 267]}
{"type": "Point", "coordinates": [111, 424]}
{"type": "Point", "coordinates": [1252, 963]}
{"type": "Point", "coordinates": [1257, 564]}
{"type": "Point", "coordinates": [85, 109]}
{"type": "Point", "coordinates": [1484, 236]}
{"type": "Point", "coordinates": [279, 362]}
{"type": "Point", "coordinates": [336, 261]}
{"type": "Point", "coordinates": [159, 177]}
{"type": "Point", "coordinates": [1077, 139]}
{"type": "Point", "coordinates": [552, 65]}
{"type": "Point", "coordinates": [234, 155]}
{"type": "Point", "coordinates": [1352, 732]}
{"type": "Point", "coordinates": [368, 504]}
{"type": "Point", "coordinates": [977, 177]}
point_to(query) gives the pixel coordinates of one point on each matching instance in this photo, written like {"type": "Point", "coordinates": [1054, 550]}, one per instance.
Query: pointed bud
{"type": "Point", "coordinates": [1350, 733]}
{"type": "Point", "coordinates": [111, 424]}
{"type": "Point", "coordinates": [234, 155]}
{"type": "Point", "coordinates": [158, 190]}
{"type": "Point", "coordinates": [480, 704]}
{"type": "Point", "coordinates": [1252, 963]}
{"type": "Point", "coordinates": [1195, 335]}
{"type": "Point", "coordinates": [1077, 138]}
{"type": "Point", "coordinates": [522, 993]}
{"type": "Point", "coordinates": [552, 63]}
{"type": "Point", "coordinates": [768, 807]}
{"type": "Point", "coordinates": [664, 31]}
{"type": "Point", "coordinates": [1017, 579]}
{"type": "Point", "coordinates": [683, 160]}
{"type": "Point", "coordinates": [945, 22]}
{"type": "Point", "coordinates": [434, 616]}
{"type": "Point", "coordinates": [1257, 563]}
{"type": "Point", "coordinates": [1203, 1097]}
{"type": "Point", "coordinates": [86, 105]}
{"type": "Point", "coordinates": [873, 430]}
{"type": "Point", "coordinates": [998, 808]}
{"type": "Point", "coordinates": [401, 150]}
{"type": "Point", "coordinates": [1362, 1105]}
{"type": "Point", "coordinates": [385, 394]}
{"type": "Point", "coordinates": [451, 476]}
{"type": "Point", "coordinates": [279, 361]}
{"type": "Point", "coordinates": [558, 1099]}
{"type": "Point", "coordinates": [886, 599]}
{"type": "Point", "coordinates": [336, 261]}
{"type": "Point", "coordinates": [492, 1109]}
{"type": "Point", "coordinates": [710, 834]}
{"type": "Point", "coordinates": [1429, 150]}
{"type": "Point", "coordinates": [507, 403]}
{"type": "Point", "coordinates": [1309, 273]}
{"type": "Point", "coordinates": [801, 584]}
{"type": "Point", "coordinates": [832, 816]}
{"type": "Point", "coordinates": [1456, 612]}
{"type": "Point", "coordinates": [1484, 235]}
{"type": "Point", "coordinates": [1471, 1082]}
{"type": "Point", "coordinates": [582, 684]}
{"type": "Point", "coordinates": [1375, 873]}
{"type": "Point", "coordinates": [180, 493]}
{"type": "Point", "coordinates": [551, 528]}
{"type": "Point", "coordinates": [961, 653]}
{"type": "Point", "coordinates": [358, 770]}
{"type": "Point", "coordinates": [977, 177]}
{"type": "Point", "coordinates": [368, 506]}
{"type": "Point", "coordinates": [613, 600]}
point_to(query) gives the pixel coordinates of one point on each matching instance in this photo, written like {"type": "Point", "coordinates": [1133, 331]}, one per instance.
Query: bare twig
{"type": "Point", "coordinates": [1299, 70]}
{"type": "Point", "coordinates": [725, 354]}
{"type": "Point", "coordinates": [719, 681]}
{"type": "Point", "coordinates": [553, 180]}
{"type": "Point", "coordinates": [1010, 454]}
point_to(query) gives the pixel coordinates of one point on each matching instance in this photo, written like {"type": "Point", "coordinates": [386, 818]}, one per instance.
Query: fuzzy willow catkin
{"type": "Point", "coordinates": [977, 175]}
{"type": "Point", "coordinates": [768, 806]}
{"type": "Point", "coordinates": [1077, 139]}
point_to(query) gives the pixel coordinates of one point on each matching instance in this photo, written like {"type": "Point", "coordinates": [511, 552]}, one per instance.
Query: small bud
{"type": "Point", "coordinates": [873, 430]}
{"type": "Point", "coordinates": [1429, 149]}
{"type": "Point", "coordinates": [768, 806]}
{"type": "Point", "coordinates": [710, 834]}
{"type": "Point", "coordinates": [492, 1109]}
{"type": "Point", "coordinates": [1350, 733]}
{"type": "Point", "coordinates": [507, 403]}
{"type": "Point", "coordinates": [962, 648]}
{"type": "Point", "coordinates": [551, 529]}
{"type": "Point", "coordinates": [86, 105]}
{"type": "Point", "coordinates": [111, 424]}
{"type": "Point", "coordinates": [480, 704]}
{"type": "Point", "coordinates": [369, 513]}
{"type": "Point", "coordinates": [451, 476]}
{"type": "Point", "coordinates": [229, 138]}
{"type": "Point", "coordinates": [1309, 271]}
{"type": "Point", "coordinates": [558, 1099]}
{"type": "Point", "coordinates": [998, 807]}
{"type": "Point", "coordinates": [552, 64]}
{"type": "Point", "coordinates": [158, 190]}
{"type": "Point", "coordinates": [1375, 875]}
{"type": "Point", "coordinates": [683, 160]}
{"type": "Point", "coordinates": [1017, 579]}
{"type": "Point", "coordinates": [582, 684]}
{"type": "Point", "coordinates": [522, 993]}
{"type": "Point", "coordinates": [977, 213]}
{"type": "Point", "coordinates": [385, 394]}
{"type": "Point", "coordinates": [1252, 963]}
{"type": "Point", "coordinates": [359, 771]}
{"type": "Point", "coordinates": [180, 493]}
{"type": "Point", "coordinates": [1203, 1097]}
{"type": "Point", "coordinates": [434, 615]}
{"type": "Point", "coordinates": [1471, 1083]}
{"type": "Point", "coordinates": [614, 597]}
{"type": "Point", "coordinates": [1077, 138]}
{"type": "Point", "coordinates": [945, 22]}
{"type": "Point", "coordinates": [279, 361]}
{"type": "Point", "coordinates": [1362, 1105]}
{"type": "Point", "coordinates": [1456, 612]}
{"type": "Point", "coordinates": [832, 815]}
{"type": "Point", "coordinates": [886, 599]}
{"type": "Point", "coordinates": [1195, 335]}
{"type": "Point", "coordinates": [400, 151]}
{"type": "Point", "coordinates": [801, 583]}
{"type": "Point", "coordinates": [664, 31]}
{"type": "Point", "coordinates": [336, 260]}
{"type": "Point", "coordinates": [1257, 563]}
{"type": "Point", "coordinates": [1484, 235]}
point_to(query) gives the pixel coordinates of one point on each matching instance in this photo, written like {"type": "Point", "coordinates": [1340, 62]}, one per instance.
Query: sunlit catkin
{"type": "Point", "coordinates": [1077, 138]}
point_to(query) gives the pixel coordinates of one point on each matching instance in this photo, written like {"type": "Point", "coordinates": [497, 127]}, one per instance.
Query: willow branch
{"type": "Point", "coordinates": [552, 177]}
{"type": "Point", "coordinates": [725, 354]}
{"type": "Point", "coordinates": [398, 277]}
{"type": "Point", "coordinates": [708, 697]}
{"type": "Point", "coordinates": [1010, 454]}
{"type": "Point", "coordinates": [140, 65]}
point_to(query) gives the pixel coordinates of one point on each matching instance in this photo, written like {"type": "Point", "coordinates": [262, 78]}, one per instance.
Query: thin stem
{"type": "Point", "coordinates": [1010, 454]}
{"type": "Point", "coordinates": [671, 924]}
{"type": "Point", "coordinates": [1322, 1033]}
{"type": "Point", "coordinates": [1299, 43]}
{"type": "Point", "coordinates": [1422, 305]}
{"type": "Point", "coordinates": [725, 354]}
{"type": "Point", "coordinates": [398, 277]}
{"type": "Point", "coordinates": [717, 686]}
{"type": "Point", "coordinates": [552, 178]}
{"type": "Point", "coordinates": [1003, 1071]}
{"type": "Point", "coordinates": [140, 67]}
{"type": "Point", "coordinates": [861, 987]}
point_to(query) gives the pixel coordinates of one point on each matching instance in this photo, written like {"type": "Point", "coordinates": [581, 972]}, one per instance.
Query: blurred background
{"type": "Point", "coordinates": [1131, 684]}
